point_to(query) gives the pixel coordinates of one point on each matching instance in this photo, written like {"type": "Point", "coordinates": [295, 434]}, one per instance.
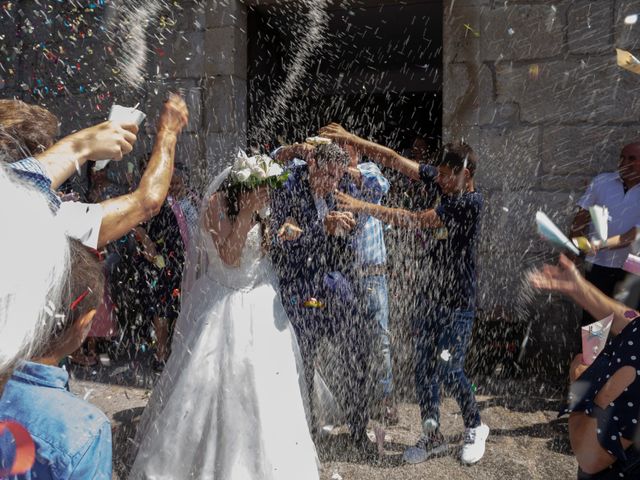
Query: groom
{"type": "Point", "coordinates": [312, 250]}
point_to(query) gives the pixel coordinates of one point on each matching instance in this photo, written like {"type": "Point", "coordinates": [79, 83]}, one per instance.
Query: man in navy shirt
{"type": "Point", "coordinates": [444, 326]}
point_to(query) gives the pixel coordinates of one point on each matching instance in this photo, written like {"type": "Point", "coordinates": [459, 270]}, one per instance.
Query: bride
{"type": "Point", "coordinates": [228, 405]}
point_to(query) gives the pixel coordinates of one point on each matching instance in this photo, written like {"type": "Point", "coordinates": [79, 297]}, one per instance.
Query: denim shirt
{"type": "Point", "coordinates": [72, 437]}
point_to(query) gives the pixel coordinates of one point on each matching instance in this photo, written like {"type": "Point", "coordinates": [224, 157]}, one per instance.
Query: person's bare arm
{"type": "Point", "coordinates": [580, 225]}
{"type": "Point", "coordinates": [287, 153]}
{"type": "Point", "coordinates": [123, 213]}
{"type": "Point", "coordinates": [619, 241]}
{"type": "Point", "coordinates": [566, 279]}
{"type": "Point", "coordinates": [378, 153]}
{"type": "Point", "coordinates": [393, 216]}
{"type": "Point", "coordinates": [102, 141]}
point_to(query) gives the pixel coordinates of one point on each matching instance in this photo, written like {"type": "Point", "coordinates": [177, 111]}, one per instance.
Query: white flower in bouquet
{"type": "Point", "coordinates": [274, 170]}
{"type": "Point", "coordinates": [243, 175]}
{"type": "Point", "coordinates": [241, 170]}
{"type": "Point", "coordinates": [258, 168]}
{"type": "Point", "coordinates": [252, 172]}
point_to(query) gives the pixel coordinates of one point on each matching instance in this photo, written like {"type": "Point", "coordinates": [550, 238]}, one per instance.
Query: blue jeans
{"type": "Point", "coordinates": [441, 347]}
{"type": "Point", "coordinates": [377, 312]}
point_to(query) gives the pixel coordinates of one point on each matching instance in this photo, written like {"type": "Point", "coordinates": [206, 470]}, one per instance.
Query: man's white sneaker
{"type": "Point", "coordinates": [474, 444]}
{"type": "Point", "coordinates": [427, 446]}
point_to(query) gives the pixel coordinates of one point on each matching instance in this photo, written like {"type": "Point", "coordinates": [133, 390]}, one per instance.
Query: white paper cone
{"type": "Point", "coordinates": [120, 114]}
{"type": "Point", "coordinates": [600, 220]}
{"type": "Point", "coordinates": [594, 339]}
{"type": "Point", "coordinates": [550, 232]}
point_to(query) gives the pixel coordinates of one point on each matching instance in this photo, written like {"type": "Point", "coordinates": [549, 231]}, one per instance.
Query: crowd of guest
{"type": "Point", "coordinates": [90, 280]}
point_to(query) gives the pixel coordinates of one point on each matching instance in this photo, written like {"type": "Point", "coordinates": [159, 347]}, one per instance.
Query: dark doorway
{"type": "Point", "coordinates": [375, 67]}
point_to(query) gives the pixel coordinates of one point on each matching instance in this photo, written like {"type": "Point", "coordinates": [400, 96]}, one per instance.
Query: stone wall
{"type": "Point", "coordinates": [534, 86]}
{"type": "Point", "coordinates": [57, 55]}
{"type": "Point", "coordinates": [207, 61]}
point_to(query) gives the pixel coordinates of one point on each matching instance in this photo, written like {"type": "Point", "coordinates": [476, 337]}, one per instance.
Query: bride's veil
{"type": "Point", "coordinates": [196, 259]}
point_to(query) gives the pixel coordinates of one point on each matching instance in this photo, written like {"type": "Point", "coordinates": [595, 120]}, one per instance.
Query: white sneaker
{"type": "Point", "coordinates": [474, 444]}
{"type": "Point", "coordinates": [427, 446]}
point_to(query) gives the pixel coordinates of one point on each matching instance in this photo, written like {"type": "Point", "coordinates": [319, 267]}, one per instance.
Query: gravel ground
{"type": "Point", "coordinates": [527, 441]}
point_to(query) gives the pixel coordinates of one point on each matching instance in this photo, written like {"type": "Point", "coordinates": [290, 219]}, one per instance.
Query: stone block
{"type": "Point", "coordinates": [225, 104]}
{"type": "Point", "coordinates": [627, 37]}
{"type": "Point", "coordinates": [222, 148]}
{"type": "Point", "coordinates": [508, 222]}
{"type": "Point", "coordinates": [189, 17]}
{"type": "Point", "coordinates": [73, 112]}
{"type": "Point", "coordinates": [499, 114]}
{"type": "Point", "coordinates": [590, 26]}
{"type": "Point", "coordinates": [468, 134]}
{"type": "Point", "coordinates": [509, 158]}
{"type": "Point", "coordinates": [584, 150]}
{"type": "Point", "coordinates": [189, 151]}
{"type": "Point", "coordinates": [591, 89]}
{"type": "Point", "coordinates": [182, 56]}
{"type": "Point", "coordinates": [574, 185]}
{"type": "Point", "coordinates": [224, 13]}
{"type": "Point", "coordinates": [460, 44]}
{"type": "Point", "coordinates": [462, 105]}
{"type": "Point", "coordinates": [226, 52]}
{"type": "Point", "coordinates": [190, 90]}
{"type": "Point", "coordinates": [520, 32]}
{"type": "Point", "coordinates": [510, 245]}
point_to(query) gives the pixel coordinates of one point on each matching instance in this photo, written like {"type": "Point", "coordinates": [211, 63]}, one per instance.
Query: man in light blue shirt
{"type": "Point", "coordinates": [371, 260]}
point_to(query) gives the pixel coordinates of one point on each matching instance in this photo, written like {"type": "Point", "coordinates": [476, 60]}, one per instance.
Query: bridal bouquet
{"type": "Point", "coordinates": [248, 173]}
{"type": "Point", "coordinates": [251, 172]}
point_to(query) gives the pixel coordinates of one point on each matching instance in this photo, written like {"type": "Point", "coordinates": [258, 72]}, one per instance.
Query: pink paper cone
{"type": "Point", "coordinates": [632, 265]}
{"type": "Point", "coordinates": [594, 339]}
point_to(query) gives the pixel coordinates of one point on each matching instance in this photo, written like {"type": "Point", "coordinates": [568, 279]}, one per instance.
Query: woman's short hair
{"type": "Point", "coordinates": [25, 130]}
{"type": "Point", "coordinates": [34, 254]}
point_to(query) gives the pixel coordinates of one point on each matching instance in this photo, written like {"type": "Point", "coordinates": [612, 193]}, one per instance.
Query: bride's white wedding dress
{"type": "Point", "coordinates": [228, 405]}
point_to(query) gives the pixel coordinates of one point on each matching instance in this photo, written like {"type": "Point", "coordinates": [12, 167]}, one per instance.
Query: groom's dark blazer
{"type": "Point", "coordinates": [316, 265]}
{"type": "Point", "coordinates": [323, 266]}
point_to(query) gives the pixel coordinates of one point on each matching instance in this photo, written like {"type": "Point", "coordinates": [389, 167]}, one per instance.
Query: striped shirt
{"type": "Point", "coordinates": [30, 171]}
{"type": "Point", "coordinates": [369, 241]}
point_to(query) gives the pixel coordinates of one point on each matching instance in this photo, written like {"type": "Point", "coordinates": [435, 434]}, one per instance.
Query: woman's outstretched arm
{"type": "Point", "coordinates": [565, 278]}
